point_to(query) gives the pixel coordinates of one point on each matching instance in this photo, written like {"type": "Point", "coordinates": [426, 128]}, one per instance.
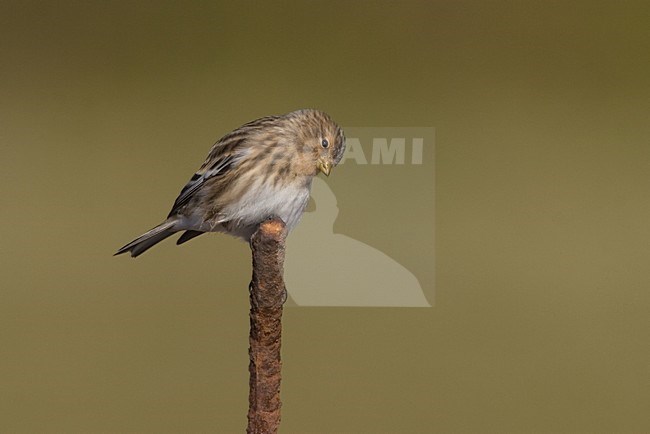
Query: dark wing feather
{"type": "Point", "coordinates": [218, 168]}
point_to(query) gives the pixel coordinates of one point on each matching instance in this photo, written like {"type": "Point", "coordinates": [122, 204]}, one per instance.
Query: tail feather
{"type": "Point", "coordinates": [188, 235]}
{"type": "Point", "coordinates": [150, 238]}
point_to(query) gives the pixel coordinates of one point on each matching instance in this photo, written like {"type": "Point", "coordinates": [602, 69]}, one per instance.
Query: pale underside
{"type": "Point", "coordinates": [241, 218]}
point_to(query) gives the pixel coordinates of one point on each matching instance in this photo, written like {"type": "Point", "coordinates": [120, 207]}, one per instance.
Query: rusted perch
{"type": "Point", "coordinates": [267, 295]}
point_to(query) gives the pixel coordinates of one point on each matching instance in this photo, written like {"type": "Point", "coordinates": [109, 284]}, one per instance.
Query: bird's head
{"type": "Point", "coordinates": [321, 141]}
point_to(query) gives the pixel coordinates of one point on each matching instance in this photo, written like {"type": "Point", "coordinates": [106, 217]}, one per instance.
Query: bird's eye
{"type": "Point", "coordinates": [325, 143]}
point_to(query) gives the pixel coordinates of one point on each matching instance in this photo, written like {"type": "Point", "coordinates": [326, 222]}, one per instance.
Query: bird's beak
{"type": "Point", "coordinates": [324, 167]}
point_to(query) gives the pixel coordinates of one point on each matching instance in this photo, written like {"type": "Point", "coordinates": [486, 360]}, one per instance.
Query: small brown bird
{"type": "Point", "coordinates": [263, 168]}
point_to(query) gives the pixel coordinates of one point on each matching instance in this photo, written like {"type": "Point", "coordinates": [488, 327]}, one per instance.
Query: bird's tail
{"type": "Point", "coordinates": [150, 238]}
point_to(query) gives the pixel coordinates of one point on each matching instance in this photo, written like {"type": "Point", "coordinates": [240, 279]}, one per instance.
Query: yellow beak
{"type": "Point", "coordinates": [324, 167]}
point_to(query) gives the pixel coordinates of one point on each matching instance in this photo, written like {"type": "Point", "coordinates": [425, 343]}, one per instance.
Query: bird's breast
{"type": "Point", "coordinates": [266, 198]}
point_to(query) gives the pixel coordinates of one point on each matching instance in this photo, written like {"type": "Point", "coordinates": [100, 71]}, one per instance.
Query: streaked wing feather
{"type": "Point", "coordinates": [221, 158]}
{"type": "Point", "coordinates": [218, 168]}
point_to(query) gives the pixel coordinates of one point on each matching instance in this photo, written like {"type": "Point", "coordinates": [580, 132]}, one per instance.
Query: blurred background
{"type": "Point", "coordinates": [540, 321]}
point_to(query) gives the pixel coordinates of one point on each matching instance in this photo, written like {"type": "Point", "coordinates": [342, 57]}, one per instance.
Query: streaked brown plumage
{"type": "Point", "coordinates": [263, 168]}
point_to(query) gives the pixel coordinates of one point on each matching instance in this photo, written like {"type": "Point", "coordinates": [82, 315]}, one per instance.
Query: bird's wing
{"type": "Point", "coordinates": [217, 168]}
{"type": "Point", "coordinates": [223, 156]}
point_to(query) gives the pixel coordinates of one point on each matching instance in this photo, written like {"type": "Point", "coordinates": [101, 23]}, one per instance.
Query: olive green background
{"type": "Point", "coordinates": [542, 162]}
